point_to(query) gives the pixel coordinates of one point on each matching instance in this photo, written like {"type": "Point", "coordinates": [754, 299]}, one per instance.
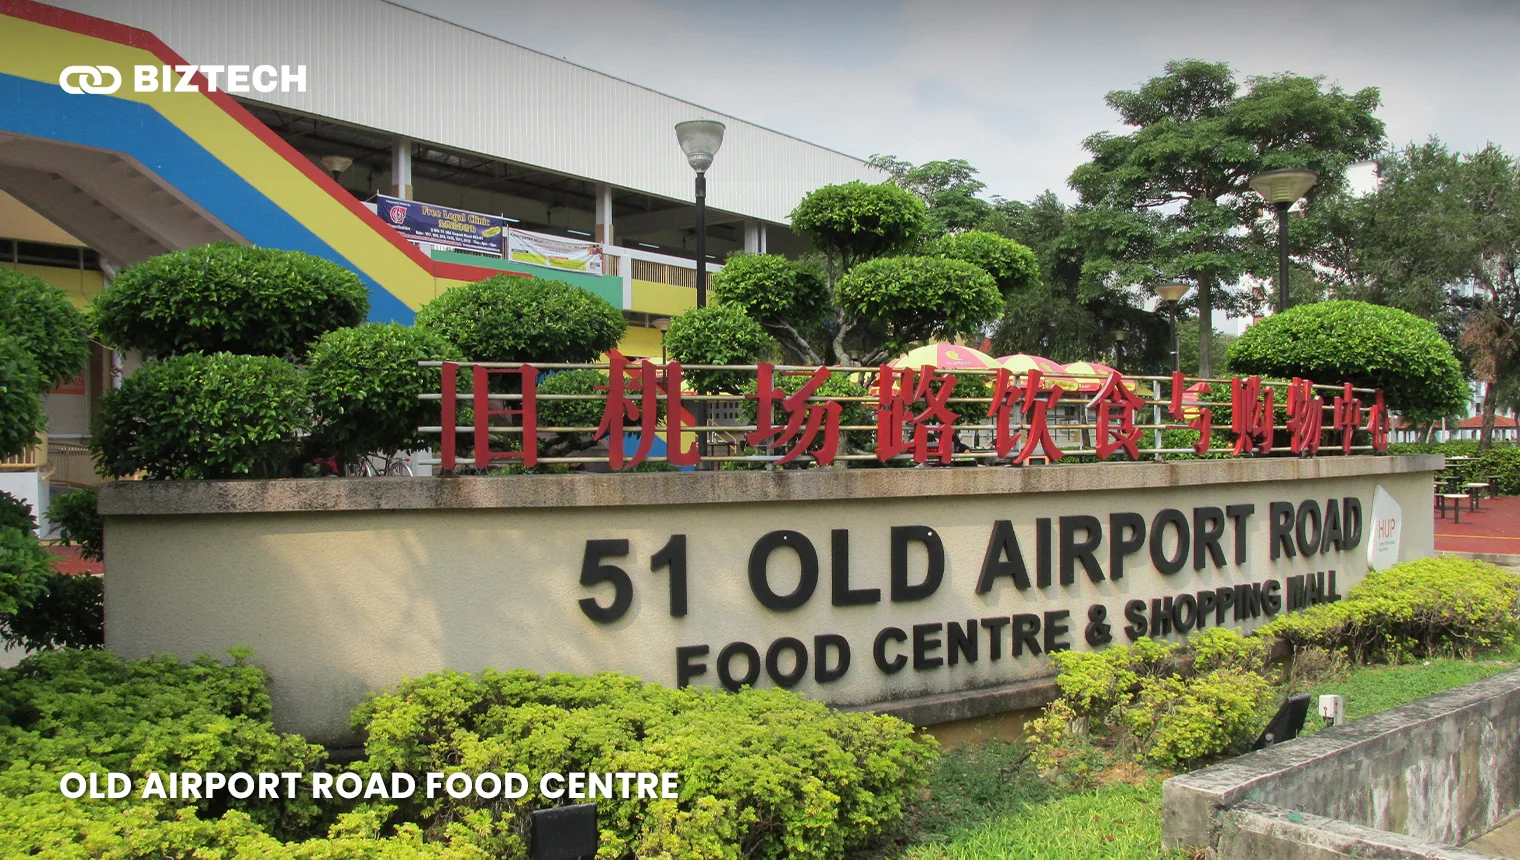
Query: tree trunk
{"type": "Point", "coordinates": [1490, 407]}
{"type": "Point", "coordinates": [1206, 325]}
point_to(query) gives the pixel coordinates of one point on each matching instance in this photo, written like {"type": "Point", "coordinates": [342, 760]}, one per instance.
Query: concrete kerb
{"type": "Point", "coordinates": [1257, 830]}
{"type": "Point", "coordinates": [1336, 767]}
{"type": "Point", "coordinates": [1503, 559]}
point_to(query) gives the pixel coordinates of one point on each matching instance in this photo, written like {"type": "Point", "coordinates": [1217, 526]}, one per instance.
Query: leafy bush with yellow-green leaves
{"type": "Point", "coordinates": [1433, 606]}
{"type": "Point", "coordinates": [763, 773]}
{"type": "Point", "coordinates": [1145, 703]}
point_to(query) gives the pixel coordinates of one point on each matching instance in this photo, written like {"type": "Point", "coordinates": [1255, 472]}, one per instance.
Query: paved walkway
{"type": "Point", "coordinates": [1494, 529]}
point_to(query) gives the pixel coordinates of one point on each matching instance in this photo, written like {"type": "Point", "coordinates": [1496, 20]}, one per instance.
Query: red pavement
{"type": "Point", "coordinates": [1495, 528]}
{"type": "Point", "coordinates": [69, 561]}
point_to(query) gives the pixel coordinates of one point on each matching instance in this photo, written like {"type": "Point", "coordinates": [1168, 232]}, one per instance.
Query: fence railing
{"type": "Point", "coordinates": [494, 412]}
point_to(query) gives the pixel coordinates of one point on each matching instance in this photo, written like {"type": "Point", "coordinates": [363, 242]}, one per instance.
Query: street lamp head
{"type": "Point", "coordinates": [662, 324]}
{"type": "Point", "coordinates": [1119, 335]}
{"type": "Point", "coordinates": [336, 164]}
{"type": "Point", "coordinates": [700, 139]}
{"type": "Point", "coordinates": [1283, 187]}
{"type": "Point", "coordinates": [1172, 292]}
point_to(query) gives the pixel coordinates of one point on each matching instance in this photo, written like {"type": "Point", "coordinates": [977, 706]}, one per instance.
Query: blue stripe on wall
{"type": "Point", "coordinates": [136, 130]}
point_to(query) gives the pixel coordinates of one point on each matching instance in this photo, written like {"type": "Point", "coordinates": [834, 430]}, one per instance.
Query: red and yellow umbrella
{"type": "Point", "coordinates": [1090, 376]}
{"type": "Point", "coordinates": [945, 356]}
{"type": "Point", "coordinates": [1022, 363]}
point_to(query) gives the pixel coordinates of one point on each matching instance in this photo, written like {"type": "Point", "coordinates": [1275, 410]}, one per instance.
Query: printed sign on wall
{"type": "Point", "coordinates": [440, 225]}
{"type": "Point", "coordinates": [537, 249]}
{"type": "Point", "coordinates": [1386, 523]}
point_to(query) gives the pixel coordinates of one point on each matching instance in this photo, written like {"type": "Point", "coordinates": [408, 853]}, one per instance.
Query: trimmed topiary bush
{"type": "Point", "coordinates": [1413, 610]}
{"type": "Point", "coordinates": [505, 318]}
{"type": "Point", "coordinates": [365, 384]}
{"type": "Point", "coordinates": [40, 317]}
{"type": "Point", "coordinates": [78, 521]}
{"type": "Point", "coordinates": [764, 773]}
{"type": "Point", "coordinates": [770, 289]}
{"type": "Point", "coordinates": [855, 221]}
{"type": "Point", "coordinates": [229, 298]}
{"type": "Point", "coordinates": [204, 416]}
{"type": "Point", "coordinates": [921, 298]}
{"type": "Point", "coordinates": [1011, 265]}
{"type": "Point", "coordinates": [21, 415]}
{"type": "Point", "coordinates": [717, 334]}
{"type": "Point", "coordinates": [1367, 345]}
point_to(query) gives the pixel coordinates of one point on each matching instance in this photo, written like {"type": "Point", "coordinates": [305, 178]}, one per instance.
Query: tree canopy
{"type": "Point", "coordinates": [1197, 140]}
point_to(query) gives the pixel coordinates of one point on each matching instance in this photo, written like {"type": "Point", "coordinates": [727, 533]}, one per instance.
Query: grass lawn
{"type": "Point", "coordinates": [986, 801]}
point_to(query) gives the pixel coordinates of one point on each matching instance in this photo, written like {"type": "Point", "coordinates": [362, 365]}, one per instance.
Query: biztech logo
{"type": "Point", "coordinates": [105, 80]}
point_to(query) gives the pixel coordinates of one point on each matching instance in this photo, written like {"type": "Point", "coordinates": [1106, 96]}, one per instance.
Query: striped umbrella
{"type": "Point", "coordinates": [945, 356]}
{"type": "Point", "coordinates": [1023, 363]}
{"type": "Point", "coordinates": [1091, 375]}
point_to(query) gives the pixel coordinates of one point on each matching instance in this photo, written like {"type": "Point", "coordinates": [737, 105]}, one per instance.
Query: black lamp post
{"type": "Point", "coordinates": [700, 139]}
{"type": "Point", "coordinates": [1283, 188]}
{"type": "Point", "coordinates": [1119, 335]}
{"type": "Point", "coordinates": [1171, 294]}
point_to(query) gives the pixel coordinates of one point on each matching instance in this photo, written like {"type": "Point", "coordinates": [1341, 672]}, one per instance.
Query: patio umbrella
{"type": "Point", "coordinates": [1022, 363]}
{"type": "Point", "coordinates": [945, 356]}
{"type": "Point", "coordinates": [1091, 375]}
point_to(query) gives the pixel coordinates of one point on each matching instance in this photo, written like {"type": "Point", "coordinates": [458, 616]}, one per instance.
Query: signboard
{"type": "Point", "coordinates": [1386, 523]}
{"type": "Point", "coordinates": [441, 225]}
{"type": "Point", "coordinates": [571, 255]}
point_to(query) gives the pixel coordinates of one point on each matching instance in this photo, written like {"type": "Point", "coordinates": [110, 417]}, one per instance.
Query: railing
{"type": "Point", "coordinates": [1004, 418]}
{"type": "Point", "coordinates": [33, 459]}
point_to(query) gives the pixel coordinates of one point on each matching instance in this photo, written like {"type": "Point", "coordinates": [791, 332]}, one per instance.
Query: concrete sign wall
{"type": "Point", "coordinates": [857, 587]}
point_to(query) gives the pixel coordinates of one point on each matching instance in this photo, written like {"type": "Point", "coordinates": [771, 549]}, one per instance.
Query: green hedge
{"type": "Point", "coordinates": [1501, 461]}
{"type": "Point", "coordinates": [204, 416]}
{"type": "Point", "coordinates": [1413, 610]}
{"type": "Point", "coordinates": [764, 773]}
{"type": "Point", "coordinates": [226, 297]}
{"type": "Point", "coordinates": [21, 415]}
{"type": "Point", "coordinates": [79, 523]}
{"type": "Point", "coordinates": [40, 317]}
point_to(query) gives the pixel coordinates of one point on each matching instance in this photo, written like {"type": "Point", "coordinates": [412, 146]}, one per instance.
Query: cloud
{"type": "Point", "coordinates": [1014, 87]}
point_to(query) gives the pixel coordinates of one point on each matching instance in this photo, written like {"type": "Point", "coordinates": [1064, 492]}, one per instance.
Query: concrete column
{"type": "Point", "coordinates": [603, 232]}
{"type": "Point", "coordinates": [751, 236]}
{"type": "Point", "coordinates": [401, 168]}
{"type": "Point", "coordinates": [762, 238]}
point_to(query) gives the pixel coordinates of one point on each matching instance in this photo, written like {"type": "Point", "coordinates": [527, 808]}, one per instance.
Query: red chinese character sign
{"type": "Point", "coordinates": [1251, 416]}
{"type": "Point", "coordinates": [899, 430]}
{"type": "Point", "coordinates": [1117, 404]}
{"type": "Point", "coordinates": [480, 403]}
{"type": "Point", "coordinates": [1306, 417]}
{"type": "Point", "coordinates": [633, 397]}
{"type": "Point", "coordinates": [1203, 417]}
{"type": "Point", "coordinates": [1033, 401]}
{"type": "Point", "coordinates": [1347, 416]}
{"type": "Point", "coordinates": [801, 417]}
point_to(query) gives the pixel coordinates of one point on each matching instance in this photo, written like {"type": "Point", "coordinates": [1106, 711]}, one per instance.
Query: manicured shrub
{"type": "Point", "coordinates": [1413, 610]}
{"type": "Point", "coordinates": [1370, 346]}
{"type": "Point", "coordinates": [770, 289]}
{"type": "Point", "coordinates": [855, 221]}
{"type": "Point", "coordinates": [204, 416]}
{"type": "Point", "coordinates": [524, 319]}
{"type": "Point", "coordinates": [1011, 265]}
{"type": "Point", "coordinates": [78, 522]}
{"type": "Point", "coordinates": [74, 710]}
{"type": "Point", "coordinates": [1143, 702]}
{"type": "Point", "coordinates": [67, 614]}
{"type": "Point", "coordinates": [921, 298]}
{"type": "Point", "coordinates": [40, 317]}
{"type": "Point", "coordinates": [570, 413]}
{"type": "Point", "coordinates": [226, 297]}
{"type": "Point", "coordinates": [717, 334]}
{"type": "Point", "coordinates": [1499, 465]}
{"type": "Point", "coordinates": [365, 384]}
{"type": "Point", "coordinates": [16, 514]}
{"type": "Point", "coordinates": [21, 415]}
{"type": "Point", "coordinates": [764, 773]}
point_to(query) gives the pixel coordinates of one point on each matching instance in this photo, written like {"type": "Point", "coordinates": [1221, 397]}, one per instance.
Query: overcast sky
{"type": "Point", "coordinates": [1014, 87]}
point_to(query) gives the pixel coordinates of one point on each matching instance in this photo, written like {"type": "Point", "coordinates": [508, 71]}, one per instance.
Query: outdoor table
{"type": "Point", "coordinates": [1475, 492]}
{"type": "Point", "coordinates": [1456, 505]}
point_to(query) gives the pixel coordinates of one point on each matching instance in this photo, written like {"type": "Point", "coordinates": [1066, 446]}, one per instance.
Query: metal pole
{"type": "Point", "coordinates": [699, 410]}
{"type": "Point", "coordinates": [701, 239]}
{"type": "Point", "coordinates": [1282, 256]}
{"type": "Point", "coordinates": [1176, 347]}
